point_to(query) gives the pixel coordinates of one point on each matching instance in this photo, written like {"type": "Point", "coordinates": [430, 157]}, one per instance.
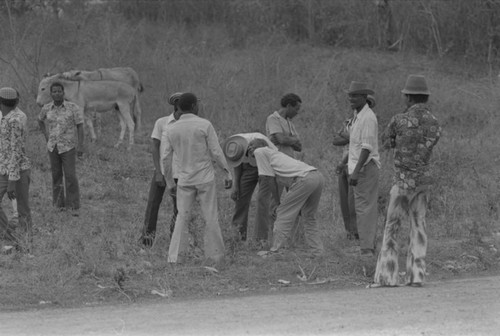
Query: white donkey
{"type": "Point", "coordinates": [98, 96]}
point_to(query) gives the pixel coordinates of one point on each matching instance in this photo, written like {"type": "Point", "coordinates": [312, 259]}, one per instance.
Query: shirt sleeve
{"type": "Point", "coordinates": [263, 160]}
{"type": "Point", "coordinates": [389, 135]}
{"type": "Point", "coordinates": [156, 134]}
{"type": "Point", "coordinates": [215, 149]}
{"type": "Point", "coordinates": [43, 113]}
{"type": "Point", "coordinates": [15, 149]}
{"type": "Point", "coordinates": [369, 134]}
{"type": "Point", "coordinates": [273, 126]}
{"type": "Point", "coordinates": [77, 114]}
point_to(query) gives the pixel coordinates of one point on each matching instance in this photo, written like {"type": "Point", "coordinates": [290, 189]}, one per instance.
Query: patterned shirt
{"type": "Point", "coordinates": [13, 157]}
{"type": "Point", "coordinates": [61, 122]}
{"type": "Point", "coordinates": [413, 134]}
{"type": "Point", "coordinates": [275, 123]}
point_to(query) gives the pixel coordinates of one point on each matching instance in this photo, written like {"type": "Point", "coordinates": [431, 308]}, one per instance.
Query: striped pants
{"type": "Point", "coordinates": [404, 206]}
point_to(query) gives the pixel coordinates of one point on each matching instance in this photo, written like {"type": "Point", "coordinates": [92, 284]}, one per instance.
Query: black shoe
{"type": "Point", "coordinates": [147, 241]}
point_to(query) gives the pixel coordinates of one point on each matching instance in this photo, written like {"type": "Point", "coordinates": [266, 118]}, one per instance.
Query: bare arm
{"type": "Point", "coordinates": [286, 140]}
{"type": "Point", "coordinates": [155, 150]}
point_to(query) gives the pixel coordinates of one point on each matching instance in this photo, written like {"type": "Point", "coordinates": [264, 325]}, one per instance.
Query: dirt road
{"type": "Point", "coordinates": [460, 307]}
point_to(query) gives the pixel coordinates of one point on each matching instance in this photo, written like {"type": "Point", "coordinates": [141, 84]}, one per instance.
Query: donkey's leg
{"type": "Point", "coordinates": [87, 116]}
{"type": "Point", "coordinates": [126, 118]}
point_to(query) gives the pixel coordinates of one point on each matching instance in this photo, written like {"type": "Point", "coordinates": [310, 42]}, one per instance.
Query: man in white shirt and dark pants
{"type": "Point", "coordinates": [363, 164]}
{"type": "Point", "coordinates": [158, 185]}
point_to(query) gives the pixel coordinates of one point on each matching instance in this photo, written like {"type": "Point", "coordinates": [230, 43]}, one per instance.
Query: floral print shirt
{"type": "Point", "coordinates": [60, 122]}
{"type": "Point", "coordinates": [13, 158]}
{"type": "Point", "coordinates": [413, 134]}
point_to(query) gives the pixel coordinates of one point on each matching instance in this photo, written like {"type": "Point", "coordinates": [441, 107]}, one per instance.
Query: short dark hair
{"type": "Point", "coordinates": [290, 99]}
{"type": "Point", "coordinates": [186, 101]}
{"type": "Point", "coordinates": [418, 98]}
{"type": "Point", "coordinates": [56, 84]}
{"type": "Point", "coordinates": [9, 102]}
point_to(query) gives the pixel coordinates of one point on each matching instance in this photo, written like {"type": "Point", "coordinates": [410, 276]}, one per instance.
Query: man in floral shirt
{"type": "Point", "coordinates": [14, 164]}
{"type": "Point", "coordinates": [58, 121]}
{"type": "Point", "coordinates": [413, 134]}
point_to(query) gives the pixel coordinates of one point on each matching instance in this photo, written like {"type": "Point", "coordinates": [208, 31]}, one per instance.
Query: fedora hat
{"type": "Point", "coordinates": [416, 84]}
{"type": "Point", "coordinates": [359, 88]}
{"type": "Point", "coordinates": [234, 148]}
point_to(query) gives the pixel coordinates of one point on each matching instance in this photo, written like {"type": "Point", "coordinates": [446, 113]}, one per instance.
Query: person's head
{"type": "Point", "coordinates": [291, 104]}
{"type": "Point", "coordinates": [9, 98]}
{"type": "Point", "coordinates": [358, 95]}
{"type": "Point", "coordinates": [188, 103]}
{"type": "Point", "coordinates": [254, 144]}
{"type": "Point", "coordinates": [57, 92]}
{"type": "Point", "coordinates": [174, 101]}
{"type": "Point", "coordinates": [416, 90]}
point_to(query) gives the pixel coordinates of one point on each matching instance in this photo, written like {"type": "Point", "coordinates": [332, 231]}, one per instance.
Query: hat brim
{"type": "Point", "coordinates": [363, 91]}
{"type": "Point", "coordinates": [242, 141]}
{"type": "Point", "coordinates": [423, 92]}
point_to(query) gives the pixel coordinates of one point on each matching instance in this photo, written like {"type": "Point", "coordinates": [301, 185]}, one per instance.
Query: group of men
{"type": "Point", "coordinates": [185, 145]}
{"type": "Point", "coordinates": [61, 123]}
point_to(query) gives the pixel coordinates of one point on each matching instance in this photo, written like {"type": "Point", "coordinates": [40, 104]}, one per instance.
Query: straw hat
{"type": "Point", "coordinates": [371, 101]}
{"type": "Point", "coordinates": [234, 148]}
{"type": "Point", "coordinates": [359, 88]}
{"type": "Point", "coordinates": [416, 84]}
{"type": "Point", "coordinates": [174, 98]}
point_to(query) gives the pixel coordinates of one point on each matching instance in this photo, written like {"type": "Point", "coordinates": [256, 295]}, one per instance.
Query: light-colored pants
{"type": "Point", "coordinates": [404, 206]}
{"type": "Point", "coordinates": [213, 242]}
{"type": "Point", "coordinates": [366, 204]}
{"type": "Point", "coordinates": [302, 197]}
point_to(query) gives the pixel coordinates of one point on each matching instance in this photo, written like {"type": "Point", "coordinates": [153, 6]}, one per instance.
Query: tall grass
{"type": "Point", "coordinates": [238, 88]}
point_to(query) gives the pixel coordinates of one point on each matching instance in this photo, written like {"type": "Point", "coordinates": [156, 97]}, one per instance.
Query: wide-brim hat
{"type": "Point", "coordinates": [371, 101]}
{"type": "Point", "coordinates": [235, 148]}
{"type": "Point", "coordinates": [359, 88]}
{"type": "Point", "coordinates": [174, 98]}
{"type": "Point", "coordinates": [416, 84]}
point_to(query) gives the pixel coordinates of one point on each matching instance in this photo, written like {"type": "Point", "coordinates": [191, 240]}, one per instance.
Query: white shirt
{"type": "Point", "coordinates": [363, 135]}
{"type": "Point", "coordinates": [271, 162]}
{"type": "Point", "coordinates": [195, 142]}
{"type": "Point", "coordinates": [160, 133]}
{"type": "Point", "coordinates": [252, 136]}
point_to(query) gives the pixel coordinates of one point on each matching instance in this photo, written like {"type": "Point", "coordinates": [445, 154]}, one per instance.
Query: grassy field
{"type": "Point", "coordinates": [95, 258]}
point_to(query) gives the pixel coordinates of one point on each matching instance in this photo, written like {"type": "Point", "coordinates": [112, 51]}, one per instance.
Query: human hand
{"type": "Point", "coordinates": [159, 179]}
{"type": "Point", "coordinates": [235, 195]}
{"type": "Point", "coordinates": [353, 179]}
{"type": "Point", "coordinates": [340, 168]}
{"type": "Point", "coordinates": [228, 181]}
{"type": "Point", "coordinates": [172, 191]}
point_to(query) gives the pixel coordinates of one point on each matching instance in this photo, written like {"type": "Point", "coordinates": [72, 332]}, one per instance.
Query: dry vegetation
{"type": "Point", "coordinates": [95, 258]}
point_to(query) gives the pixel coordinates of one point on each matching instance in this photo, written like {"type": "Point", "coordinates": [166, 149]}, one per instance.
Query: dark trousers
{"type": "Point", "coordinates": [23, 207]}
{"type": "Point", "coordinates": [155, 198]}
{"type": "Point", "coordinates": [248, 182]}
{"type": "Point", "coordinates": [347, 207]}
{"type": "Point", "coordinates": [64, 165]}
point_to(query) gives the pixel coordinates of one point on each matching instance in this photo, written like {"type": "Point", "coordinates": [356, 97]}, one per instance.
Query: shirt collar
{"type": "Point", "coordinates": [188, 116]}
{"type": "Point", "coordinates": [170, 119]}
